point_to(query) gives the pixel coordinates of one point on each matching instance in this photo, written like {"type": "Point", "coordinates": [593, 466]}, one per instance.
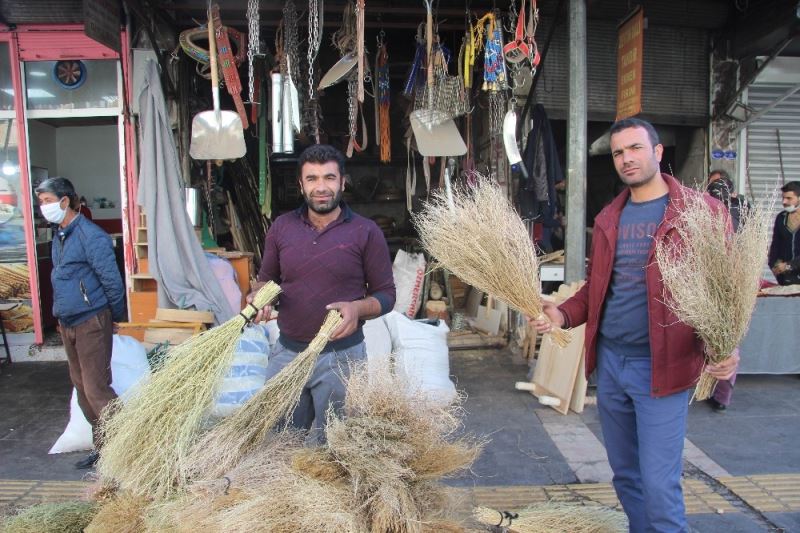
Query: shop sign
{"type": "Point", "coordinates": [629, 65]}
{"type": "Point", "coordinates": [101, 22]}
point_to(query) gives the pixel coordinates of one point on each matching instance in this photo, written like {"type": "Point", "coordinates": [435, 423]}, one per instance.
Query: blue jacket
{"type": "Point", "coordinates": [85, 276]}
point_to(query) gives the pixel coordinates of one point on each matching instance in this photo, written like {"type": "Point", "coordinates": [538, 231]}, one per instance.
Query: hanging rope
{"type": "Point", "coordinates": [384, 99]}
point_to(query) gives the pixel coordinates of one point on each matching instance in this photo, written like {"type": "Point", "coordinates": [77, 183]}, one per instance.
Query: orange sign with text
{"type": "Point", "coordinates": [629, 66]}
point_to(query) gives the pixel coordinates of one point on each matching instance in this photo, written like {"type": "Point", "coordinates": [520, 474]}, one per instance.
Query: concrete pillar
{"type": "Point", "coordinates": [577, 147]}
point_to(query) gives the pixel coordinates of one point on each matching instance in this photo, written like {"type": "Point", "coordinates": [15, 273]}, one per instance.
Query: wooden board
{"type": "Point", "coordinates": [557, 368]}
{"type": "Point", "coordinates": [578, 399]}
{"type": "Point", "coordinates": [171, 335]}
{"type": "Point", "coordinates": [184, 315]}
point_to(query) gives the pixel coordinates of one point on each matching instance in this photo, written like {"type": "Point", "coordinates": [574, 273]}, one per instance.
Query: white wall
{"type": "Point", "coordinates": [89, 157]}
{"type": "Point", "coordinates": [42, 142]}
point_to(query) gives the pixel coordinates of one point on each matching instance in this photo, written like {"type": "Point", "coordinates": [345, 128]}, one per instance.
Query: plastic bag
{"type": "Point", "coordinates": [248, 371]}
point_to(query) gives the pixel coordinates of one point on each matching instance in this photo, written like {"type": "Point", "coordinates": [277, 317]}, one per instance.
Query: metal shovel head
{"type": "Point", "coordinates": [217, 135]}
{"type": "Point", "coordinates": [441, 140]}
{"type": "Point", "coordinates": [338, 71]}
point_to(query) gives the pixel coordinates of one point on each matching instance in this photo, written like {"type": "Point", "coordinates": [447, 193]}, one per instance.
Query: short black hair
{"type": "Point", "coordinates": [792, 186]}
{"type": "Point", "coordinates": [626, 123]}
{"type": "Point", "coordinates": [58, 186]}
{"type": "Point", "coordinates": [320, 153]}
{"type": "Point", "coordinates": [723, 174]}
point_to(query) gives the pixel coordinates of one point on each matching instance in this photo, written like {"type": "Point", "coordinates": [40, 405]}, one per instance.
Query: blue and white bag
{"type": "Point", "coordinates": [248, 371]}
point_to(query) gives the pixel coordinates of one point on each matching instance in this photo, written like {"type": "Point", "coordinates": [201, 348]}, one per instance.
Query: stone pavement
{"type": "Point", "coordinates": [742, 467]}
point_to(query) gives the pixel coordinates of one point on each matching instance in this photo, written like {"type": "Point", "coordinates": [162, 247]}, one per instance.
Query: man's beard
{"type": "Point", "coordinates": [325, 208]}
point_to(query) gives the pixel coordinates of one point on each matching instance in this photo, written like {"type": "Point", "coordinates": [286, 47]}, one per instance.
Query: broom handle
{"type": "Point", "coordinates": [212, 59]}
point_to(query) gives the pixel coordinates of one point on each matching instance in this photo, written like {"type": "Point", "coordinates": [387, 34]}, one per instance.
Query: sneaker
{"type": "Point", "coordinates": [716, 406]}
{"type": "Point", "coordinates": [88, 461]}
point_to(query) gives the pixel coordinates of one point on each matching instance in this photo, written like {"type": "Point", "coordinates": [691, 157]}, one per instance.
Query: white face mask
{"type": "Point", "coordinates": [53, 212]}
{"type": "Point", "coordinates": [790, 208]}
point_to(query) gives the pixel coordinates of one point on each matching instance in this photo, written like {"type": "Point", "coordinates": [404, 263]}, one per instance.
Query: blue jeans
{"type": "Point", "coordinates": [324, 388]}
{"type": "Point", "coordinates": [644, 442]}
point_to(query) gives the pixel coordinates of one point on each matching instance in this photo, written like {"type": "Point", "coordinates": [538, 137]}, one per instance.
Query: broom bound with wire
{"type": "Point", "coordinates": [712, 276]}
{"type": "Point", "coordinates": [479, 237]}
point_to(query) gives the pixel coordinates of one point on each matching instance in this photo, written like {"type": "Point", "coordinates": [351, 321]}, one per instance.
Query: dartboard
{"type": "Point", "coordinates": [70, 74]}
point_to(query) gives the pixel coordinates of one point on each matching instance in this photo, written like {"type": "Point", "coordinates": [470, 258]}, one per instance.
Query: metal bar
{"type": "Point", "coordinates": [766, 109]}
{"type": "Point", "coordinates": [575, 242]}
{"type": "Point", "coordinates": [778, 49]}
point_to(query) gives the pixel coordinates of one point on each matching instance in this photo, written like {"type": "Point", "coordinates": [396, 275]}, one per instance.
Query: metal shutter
{"type": "Point", "coordinates": [763, 163]}
{"type": "Point", "coordinates": [676, 75]}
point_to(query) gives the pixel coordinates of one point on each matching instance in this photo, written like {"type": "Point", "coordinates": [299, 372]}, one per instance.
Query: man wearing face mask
{"type": "Point", "coordinates": [88, 297]}
{"type": "Point", "coordinates": [784, 252]}
{"type": "Point", "coordinates": [324, 256]}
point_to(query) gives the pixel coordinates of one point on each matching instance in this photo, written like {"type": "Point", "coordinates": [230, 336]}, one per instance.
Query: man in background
{"type": "Point", "coordinates": [88, 297]}
{"type": "Point", "coordinates": [784, 252]}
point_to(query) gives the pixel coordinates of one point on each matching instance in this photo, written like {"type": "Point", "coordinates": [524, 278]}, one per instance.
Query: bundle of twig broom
{"type": "Point", "coordinates": [479, 237]}
{"type": "Point", "coordinates": [711, 275]}
{"type": "Point", "coordinates": [147, 438]}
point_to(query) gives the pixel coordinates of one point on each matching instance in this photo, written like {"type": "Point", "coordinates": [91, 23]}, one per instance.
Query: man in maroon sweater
{"type": "Point", "coordinates": [646, 359]}
{"type": "Point", "coordinates": [324, 256]}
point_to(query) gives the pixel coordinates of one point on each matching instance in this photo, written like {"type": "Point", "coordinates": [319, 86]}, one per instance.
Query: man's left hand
{"type": "Point", "coordinates": [726, 368]}
{"type": "Point", "coordinates": [349, 311]}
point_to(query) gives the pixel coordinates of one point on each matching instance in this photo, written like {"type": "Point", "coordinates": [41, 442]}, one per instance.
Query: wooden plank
{"type": "Point", "coordinates": [459, 340]}
{"type": "Point", "coordinates": [184, 315]}
{"type": "Point", "coordinates": [578, 400]}
{"type": "Point", "coordinates": [170, 335]}
{"type": "Point", "coordinates": [556, 370]}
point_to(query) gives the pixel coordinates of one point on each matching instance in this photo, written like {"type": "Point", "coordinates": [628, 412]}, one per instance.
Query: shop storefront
{"type": "Point", "coordinates": [61, 114]}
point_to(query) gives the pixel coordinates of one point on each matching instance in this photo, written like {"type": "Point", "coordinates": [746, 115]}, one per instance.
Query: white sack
{"type": "Point", "coordinates": [422, 356]}
{"type": "Point", "coordinates": [128, 366]}
{"type": "Point", "coordinates": [409, 276]}
{"type": "Point", "coordinates": [247, 373]}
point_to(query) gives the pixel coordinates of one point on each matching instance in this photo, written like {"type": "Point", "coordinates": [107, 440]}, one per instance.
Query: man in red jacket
{"type": "Point", "coordinates": [646, 359]}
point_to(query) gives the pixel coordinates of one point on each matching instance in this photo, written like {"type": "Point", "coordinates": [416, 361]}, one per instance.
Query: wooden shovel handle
{"type": "Point", "coordinates": [213, 15]}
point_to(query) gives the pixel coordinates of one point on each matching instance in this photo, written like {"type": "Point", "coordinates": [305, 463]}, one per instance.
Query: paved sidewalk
{"type": "Point", "coordinates": [742, 467]}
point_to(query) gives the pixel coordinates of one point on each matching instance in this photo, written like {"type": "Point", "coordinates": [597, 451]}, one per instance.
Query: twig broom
{"type": "Point", "coordinates": [223, 447]}
{"type": "Point", "coordinates": [147, 438]}
{"type": "Point", "coordinates": [479, 237]}
{"type": "Point", "coordinates": [711, 276]}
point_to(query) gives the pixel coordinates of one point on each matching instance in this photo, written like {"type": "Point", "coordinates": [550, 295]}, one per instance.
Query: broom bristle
{"type": "Point", "coordinates": [557, 516]}
{"type": "Point", "coordinates": [223, 447]}
{"type": "Point", "coordinates": [147, 437]}
{"type": "Point", "coordinates": [63, 517]}
{"type": "Point", "coordinates": [124, 513]}
{"type": "Point", "coordinates": [712, 277]}
{"type": "Point", "coordinates": [483, 241]}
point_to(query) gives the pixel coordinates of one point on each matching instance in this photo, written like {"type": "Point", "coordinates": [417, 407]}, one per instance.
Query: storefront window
{"type": "Point", "coordinates": [6, 84]}
{"type": "Point", "coordinates": [71, 84]}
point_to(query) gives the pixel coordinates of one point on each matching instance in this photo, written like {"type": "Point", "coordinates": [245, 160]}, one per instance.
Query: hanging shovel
{"type": "Point", "coordinates": [216, 134]}
{"type": "Point", "coordinates": [510, 143]}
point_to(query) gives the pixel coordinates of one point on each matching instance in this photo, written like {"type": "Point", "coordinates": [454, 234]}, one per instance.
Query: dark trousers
{"type": "Point", "coordinates": [88, 346]}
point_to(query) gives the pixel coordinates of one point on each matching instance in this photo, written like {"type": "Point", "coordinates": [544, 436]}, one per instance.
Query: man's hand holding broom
{"type": "Point", "coordinates": [554, 319]}
{"type": "Point", "coordinates": [726, 368]}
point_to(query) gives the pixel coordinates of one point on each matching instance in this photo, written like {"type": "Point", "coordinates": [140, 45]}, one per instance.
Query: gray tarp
{"type": "Point", "coordinates": [771, 344]}
{"type": "Point", "coordinates": [175, 256]}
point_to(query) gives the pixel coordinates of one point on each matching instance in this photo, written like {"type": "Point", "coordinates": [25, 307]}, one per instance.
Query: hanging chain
{"type": "Point", "coordinates": [352, 106]}
{"type": "Point", "coordinates": [315, 16]}
{"type": "Point", "coordinates": [291, 40]}
{"type": "Point", "coordinates": [314, 41]}
{"type": "Point", "coordinates": [253, 44]}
